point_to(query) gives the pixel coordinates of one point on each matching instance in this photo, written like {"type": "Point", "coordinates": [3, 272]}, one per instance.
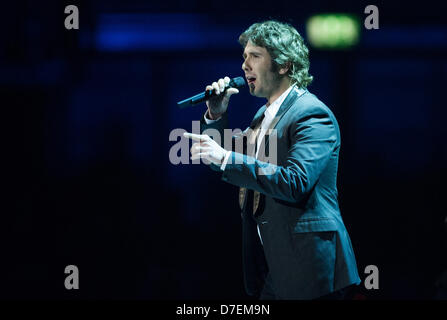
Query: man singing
{"type": "Point", "coordinates": [295, 244]}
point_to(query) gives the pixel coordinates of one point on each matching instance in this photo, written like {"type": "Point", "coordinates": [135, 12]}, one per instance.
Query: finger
{"type": "Point", "coordinates": [231, 91]}
{"type": "Point", "coordinates": [203, 148]}
{"type": "Point", "coordinates": [208, 87]}
{"type": "Point", "coordinates": [227, 81]}
{"type": "Point", "coordinates": [197, 137]}
{"type": "Point", "coordinates": [200, 155]}
{"type": "Point", "coordinates": [194, 147]}
{"type": "Point", "coordinates": [216, 87]}
{"type": "Point", "coordinates": [221, 84]}
{"type": "Point", "coordinates": [198, 148]}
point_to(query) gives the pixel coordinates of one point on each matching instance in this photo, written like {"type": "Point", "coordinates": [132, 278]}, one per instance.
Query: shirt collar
{"type": "Point", "coordinates": [271, 111]}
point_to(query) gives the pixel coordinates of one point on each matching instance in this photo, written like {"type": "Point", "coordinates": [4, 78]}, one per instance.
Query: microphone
{"type": "Point", "coordinates": [204, 96]}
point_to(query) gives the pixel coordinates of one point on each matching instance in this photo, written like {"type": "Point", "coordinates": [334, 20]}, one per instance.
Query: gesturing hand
{"type": "Point", "coordinates": [206, 148]}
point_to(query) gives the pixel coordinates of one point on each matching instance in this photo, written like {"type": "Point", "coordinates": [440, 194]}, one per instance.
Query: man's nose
{"type": "Point", "coordinates": [245, 66]}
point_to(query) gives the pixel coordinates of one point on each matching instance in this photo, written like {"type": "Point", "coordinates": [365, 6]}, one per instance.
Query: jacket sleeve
{"type": "Point", "coordinates": [313, 139]}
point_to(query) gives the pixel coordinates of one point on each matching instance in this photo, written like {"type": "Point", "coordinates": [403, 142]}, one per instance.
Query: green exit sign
{"type": "Point", "coordinates": [333, 31]}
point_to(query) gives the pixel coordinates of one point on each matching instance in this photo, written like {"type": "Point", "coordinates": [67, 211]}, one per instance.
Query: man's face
{"type": "Point", "coordinates": [261, 78]}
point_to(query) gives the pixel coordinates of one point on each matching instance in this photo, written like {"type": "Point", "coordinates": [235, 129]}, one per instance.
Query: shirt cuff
{"type": "Point", "coordinates": [209, 121]}
{"type": "Point", "coordinates": [225, 160]}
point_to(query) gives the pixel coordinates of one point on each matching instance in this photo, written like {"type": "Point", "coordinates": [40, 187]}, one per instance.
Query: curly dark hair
{"type": "Point", "coordinates": [285, 45]}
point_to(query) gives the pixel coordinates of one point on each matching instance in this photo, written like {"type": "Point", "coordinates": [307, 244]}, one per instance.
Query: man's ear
{"type": "Point", "coordinates": [285, 68]}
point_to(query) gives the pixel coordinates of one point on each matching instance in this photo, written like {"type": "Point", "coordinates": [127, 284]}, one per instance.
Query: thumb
{"type": "Point", "coordinates": [231, 91]}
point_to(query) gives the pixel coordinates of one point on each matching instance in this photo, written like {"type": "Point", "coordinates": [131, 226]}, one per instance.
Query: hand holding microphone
{"type": "Point", "coordinates": [218, 104]}
{"type": "Point", "coordinates": [216, 95]}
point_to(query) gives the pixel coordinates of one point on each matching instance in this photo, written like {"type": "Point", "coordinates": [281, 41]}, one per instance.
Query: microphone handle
{"type": "Point", "coordinates": [198, 98]}
{"type": "Point", "coordinates": [201, 97]}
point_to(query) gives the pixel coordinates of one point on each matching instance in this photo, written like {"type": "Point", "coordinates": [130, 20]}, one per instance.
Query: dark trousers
{"type": "Point", "coordinates": [268, 292]}
{"type": "Point", "coordinates": [336, 295]}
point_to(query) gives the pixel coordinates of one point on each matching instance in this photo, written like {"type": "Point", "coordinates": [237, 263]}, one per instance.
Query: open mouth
{"type": "Point", "coordinates": [251, 80]}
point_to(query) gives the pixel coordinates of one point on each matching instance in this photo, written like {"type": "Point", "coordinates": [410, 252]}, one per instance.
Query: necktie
{"type": "Point", "coordinates": [251, 151]}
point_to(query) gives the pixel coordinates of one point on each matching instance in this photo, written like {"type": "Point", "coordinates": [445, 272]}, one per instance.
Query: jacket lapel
{"type": "Point", "coordinates": [258, 117]}
{"type": "Point", "coordinates": [290, 100]}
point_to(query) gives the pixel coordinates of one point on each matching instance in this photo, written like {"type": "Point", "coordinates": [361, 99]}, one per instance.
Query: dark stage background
{"type": "Point", "coordinates": [87, 118]}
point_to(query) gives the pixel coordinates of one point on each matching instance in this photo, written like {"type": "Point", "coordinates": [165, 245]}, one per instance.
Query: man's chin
{"type": "Point", "coordinates": [253, 91]}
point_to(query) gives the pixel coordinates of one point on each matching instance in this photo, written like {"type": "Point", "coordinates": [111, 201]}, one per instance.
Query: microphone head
{"type": "Point", "coordinates": [237, 82]}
